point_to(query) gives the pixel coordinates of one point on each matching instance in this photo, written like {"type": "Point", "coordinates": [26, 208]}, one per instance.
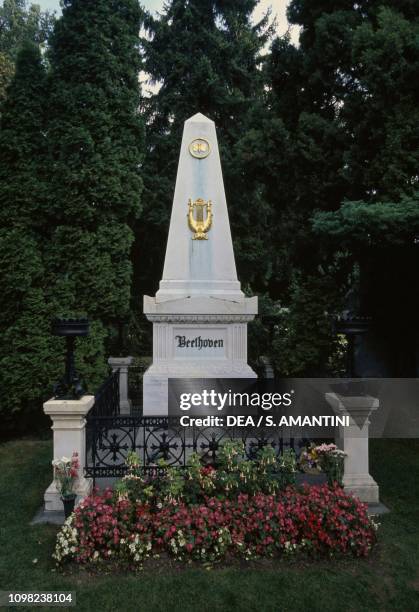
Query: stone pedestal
{"type": "Point", "coordinates": [68, 424]}
{"type": "Point", "coordinates": [354, 441]}
{"type": "Point", "coordinates": [201, 338]}
{"type": "Point", "coordinates": [122, 364]}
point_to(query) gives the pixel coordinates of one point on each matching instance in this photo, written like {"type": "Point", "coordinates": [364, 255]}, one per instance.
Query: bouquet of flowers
{"type": "Point", "coordinates": [309, 460]}
{"type": "Point", "coordinates": [332, 461]}
{"type": "Point", "coordinates": [327, 458]}
{"type": "Point", "coordinates": [66, 471]}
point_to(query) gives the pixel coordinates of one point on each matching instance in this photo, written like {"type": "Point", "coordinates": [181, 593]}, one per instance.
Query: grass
{"type": "Point", "coordinates": [389, 580]}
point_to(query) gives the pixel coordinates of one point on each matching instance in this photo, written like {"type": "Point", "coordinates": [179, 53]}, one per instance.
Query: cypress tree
{"type": "Point", "coordinates": [22, 141]}
{"type": "Point", "coordinates": [95, 139]}
{"type": "Point", "coordinates": [70, 155]}
{"type": "Point", "coordinates": [28, 354]}
{"type": "Point", "coordinates": [206, 57]}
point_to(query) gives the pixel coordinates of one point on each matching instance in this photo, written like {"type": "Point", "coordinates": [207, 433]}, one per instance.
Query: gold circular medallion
{"type": "Point", "coordinates": [200, 148]}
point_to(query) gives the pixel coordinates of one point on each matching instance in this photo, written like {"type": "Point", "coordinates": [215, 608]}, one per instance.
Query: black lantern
{"type": "Point", "coordinates": [70, 386]}
{"type": "Point", "coordinates": [351, 326]}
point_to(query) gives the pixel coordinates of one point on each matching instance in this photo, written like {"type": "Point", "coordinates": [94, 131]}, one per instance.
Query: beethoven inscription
{"type": "Point", "coordinates": [199, 342]}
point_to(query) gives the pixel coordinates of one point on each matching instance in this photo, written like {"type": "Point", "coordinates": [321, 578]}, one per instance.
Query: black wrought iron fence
{"type": "Point", "coordinates": [106, 405]}
{"type": "Point", "coordinates": [111, 438]}
{"type": "Point", "coordinates": [107, 398]}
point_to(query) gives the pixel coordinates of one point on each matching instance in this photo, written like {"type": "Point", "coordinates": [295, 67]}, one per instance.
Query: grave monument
{"type": "Point", "coordinates": [199, 313]}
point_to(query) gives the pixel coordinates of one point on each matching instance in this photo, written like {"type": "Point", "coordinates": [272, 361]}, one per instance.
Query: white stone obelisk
{"type": "Point", "coordinates": [199, 313]}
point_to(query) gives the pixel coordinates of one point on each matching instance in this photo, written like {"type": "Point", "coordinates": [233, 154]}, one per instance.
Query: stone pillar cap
{"type": "Point", "coordinates": [69, 406]}
{"type": "Point", "coordinates": [120, 360]}
{"type": "Point", "coordinates": [358, 405]}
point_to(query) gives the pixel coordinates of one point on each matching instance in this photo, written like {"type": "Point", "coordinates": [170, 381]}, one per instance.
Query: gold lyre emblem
{"type": "Point", "coordinates": [196, 221]}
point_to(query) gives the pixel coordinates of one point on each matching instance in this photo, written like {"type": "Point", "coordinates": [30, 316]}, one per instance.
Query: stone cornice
{"type": "Point", "coordinates": [200, 318]}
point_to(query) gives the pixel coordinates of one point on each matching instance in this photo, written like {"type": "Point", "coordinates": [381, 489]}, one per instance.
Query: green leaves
{"type": "Point", "coordinates": [20, 23]}
{"type": "Point", "coordinates": [347, 98]}
{"type": "Point", "coordinates": [70, 154]}
{"type": "Point", "coordinates": [371, 224]}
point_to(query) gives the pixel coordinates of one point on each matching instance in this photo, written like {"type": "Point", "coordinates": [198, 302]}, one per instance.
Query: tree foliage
{"type": "Point", "coordinates": [28, 355]}
{"type": "Point", "coordinates": [20, 23]}
{"type": "Point", "coordinates": [303, 343]}
{"type": "Point", "coordinates": [344, 149]}
{"type": "Point", "coordinates": [95, 137]}
{"type": "Point", "coordinates": [369, 224]}
{"type": "Point", "coordinates": [71, 148]}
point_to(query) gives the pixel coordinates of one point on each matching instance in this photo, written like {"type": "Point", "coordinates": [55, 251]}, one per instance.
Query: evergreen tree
{"type": "Point", "coordinates": [28, 354]}
{"type": "Point", "coordinates": [70, 155]}
{"type": "Point", "coordinates": [376, 221]}
{"type": "Point", "coordinates": [353, 129]}
{"type": "Point", "coordinates": [23, 142]}
{"type": "Point", "coordinates": [303, 344]}
{"type": "Point", "coordinates": [205, 55]}
{"type": "Point", "coordinates": [19, 23]}
{"type": "Point", "coordinates": [95, 139]}
{"type": "Point", "coordinates": [6, 74]}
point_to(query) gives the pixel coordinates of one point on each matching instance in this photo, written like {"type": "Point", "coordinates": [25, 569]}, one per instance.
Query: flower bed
{"type": "Point", "coordinates": [244, 509]}
{"type": "Point", "coordinates": [317, 519]}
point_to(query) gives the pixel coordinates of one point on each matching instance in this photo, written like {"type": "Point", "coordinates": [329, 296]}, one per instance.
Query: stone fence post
{"type": "Point", "coordinates": [268, 370]}
{"type": "Point", "coordinates": [354, 441]}
{"type": "Point", "coordinates": [68, 425]}
{"type": "Point", "coordinates": [122, 364]}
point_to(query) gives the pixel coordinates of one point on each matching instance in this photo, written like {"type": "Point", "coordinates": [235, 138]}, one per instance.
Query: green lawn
{"type": "Point", "coordinates": [387, 581]}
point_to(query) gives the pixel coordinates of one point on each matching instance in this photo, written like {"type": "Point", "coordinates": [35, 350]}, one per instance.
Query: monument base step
{"type": "Point", "coordinates": [50, 517]}
{"type": "Point", "coordinates": [377, 509]}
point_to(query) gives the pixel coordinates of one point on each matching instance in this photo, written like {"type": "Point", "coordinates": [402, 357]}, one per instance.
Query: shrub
{"type": "Point", "coordinates": [234, 474]}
